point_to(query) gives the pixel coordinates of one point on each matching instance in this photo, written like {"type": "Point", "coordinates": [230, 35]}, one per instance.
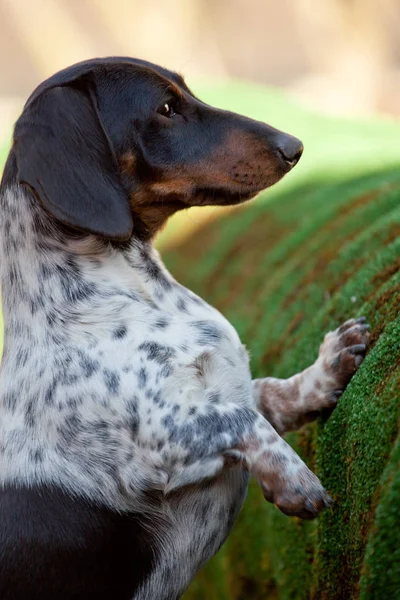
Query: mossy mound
{"type": "Point", "coordinates": [320, 248]}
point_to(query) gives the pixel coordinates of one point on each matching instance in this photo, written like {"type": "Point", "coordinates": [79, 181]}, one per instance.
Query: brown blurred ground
{"type": "Point", "coordinates": [342, 56]}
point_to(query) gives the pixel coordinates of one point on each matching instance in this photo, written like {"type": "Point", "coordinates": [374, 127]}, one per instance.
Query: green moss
{"type": "Point", "coordinates": [381, 573]}
{"type": "Point", "coordinates": [353, 449]}
{"type": "Point", "coordinates": [303, 258]}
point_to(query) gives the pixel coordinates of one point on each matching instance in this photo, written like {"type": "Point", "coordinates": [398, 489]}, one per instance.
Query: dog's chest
{"type": "Point", "coordinates": [94, 405]}
{"type": "Point", "coordinates": [97, 404]}
{"type": "Point", "coordinates": [179, 351]}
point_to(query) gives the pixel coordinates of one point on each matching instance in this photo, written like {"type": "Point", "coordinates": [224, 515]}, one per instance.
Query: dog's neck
{"type": "Point", "coordinates": [52, 276]}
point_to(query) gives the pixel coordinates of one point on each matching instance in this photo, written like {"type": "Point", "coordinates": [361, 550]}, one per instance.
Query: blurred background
{"type": "Point", "coordinates": [263, 58]}
{"type": "Point", "coordinates": [322, 245]}
{"type": "Point", "coordinates": [341, 56]}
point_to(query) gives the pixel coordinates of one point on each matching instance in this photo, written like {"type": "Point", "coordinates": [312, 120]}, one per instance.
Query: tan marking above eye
{"type": "Point", "coordinates": [128, 162]}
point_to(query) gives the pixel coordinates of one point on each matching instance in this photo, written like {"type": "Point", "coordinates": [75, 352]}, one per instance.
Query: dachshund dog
{"type": "Point", "coordinates": [129, 421]}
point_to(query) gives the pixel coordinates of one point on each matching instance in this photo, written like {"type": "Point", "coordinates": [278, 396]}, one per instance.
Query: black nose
{"type": "Point", "coordinates": [290, 149]}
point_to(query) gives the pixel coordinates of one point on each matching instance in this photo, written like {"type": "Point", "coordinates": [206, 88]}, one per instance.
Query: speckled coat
{"type": "Point", "coordinates": [129, 421]}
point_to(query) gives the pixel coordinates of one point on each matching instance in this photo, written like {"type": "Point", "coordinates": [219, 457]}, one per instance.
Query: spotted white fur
{"type": "Point", "coordinates": [120, 385]}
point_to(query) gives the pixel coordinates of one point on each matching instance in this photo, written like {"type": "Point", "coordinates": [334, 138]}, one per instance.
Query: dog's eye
{"type": "Point", "coordinates": [167, 110]}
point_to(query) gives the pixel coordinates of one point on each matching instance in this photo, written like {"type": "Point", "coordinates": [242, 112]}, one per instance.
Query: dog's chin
{"type": "Point", "coordinates": [215, 196]}
{"type": "Point", "coordinates": [221, 197]}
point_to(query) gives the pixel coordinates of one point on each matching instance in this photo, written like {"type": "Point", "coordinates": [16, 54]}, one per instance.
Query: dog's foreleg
{"type": "Point", "coordinates": [289, 403]}
{"type": "Point", "coordinates": [231, 436]}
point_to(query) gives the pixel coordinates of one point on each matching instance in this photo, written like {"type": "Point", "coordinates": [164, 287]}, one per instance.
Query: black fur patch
{"type": "Point", "coordinates": [56, 547]}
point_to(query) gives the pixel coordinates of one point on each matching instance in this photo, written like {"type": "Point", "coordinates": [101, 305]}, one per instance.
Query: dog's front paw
{"type": "Point", "coordinates": [340, 355]}
{"type": "Point", "coordinates": [302, 497]}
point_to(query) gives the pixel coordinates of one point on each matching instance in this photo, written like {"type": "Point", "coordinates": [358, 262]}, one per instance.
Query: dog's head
{"type": "Point", "coordinates": [115, 146]}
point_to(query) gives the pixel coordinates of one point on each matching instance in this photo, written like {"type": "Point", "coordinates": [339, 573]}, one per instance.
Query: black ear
{"type": "Point", "coordinates": [65, 156]}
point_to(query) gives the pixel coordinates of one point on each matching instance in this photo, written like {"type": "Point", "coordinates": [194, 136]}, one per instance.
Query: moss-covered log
{"type": "Point", "coordinates": [284, 270]}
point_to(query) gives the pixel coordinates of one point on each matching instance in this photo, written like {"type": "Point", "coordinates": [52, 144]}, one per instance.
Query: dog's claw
{"type": "Point", "coordinates": [358, 349]}
{"type": "Point", "coordinates": [358, 360]}
{"type": "Point", "coordinates": [361, 320]}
